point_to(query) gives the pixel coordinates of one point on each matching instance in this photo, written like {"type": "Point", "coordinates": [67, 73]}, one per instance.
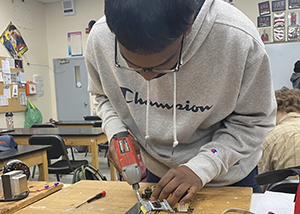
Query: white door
{"type": "Point", "coordinates": [72, 97]}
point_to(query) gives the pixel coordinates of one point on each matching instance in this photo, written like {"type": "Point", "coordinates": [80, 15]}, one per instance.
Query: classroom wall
{"type": "Point", "coordinates": [36, 40]}
{"type": "Point", "coordinates": [282, 55]}
{"type": "Point", "coordinates": [47, 40]}
{"type": "Point", "coordinates": [58, 26]}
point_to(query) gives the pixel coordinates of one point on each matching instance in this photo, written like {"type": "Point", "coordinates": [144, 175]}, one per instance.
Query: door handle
{"type": "Point", "coordinates": [85, 104]}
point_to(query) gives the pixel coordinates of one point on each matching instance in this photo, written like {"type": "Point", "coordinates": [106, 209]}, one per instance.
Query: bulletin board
{"type": "Point", "coordinates": [13, 103]}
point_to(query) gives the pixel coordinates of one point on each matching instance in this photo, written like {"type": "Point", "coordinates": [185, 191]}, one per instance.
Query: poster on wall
{"type": "Point", "coordinates": [265, 35]}
{"type": "Point", "coordinates": [293, 33]}
{"type": "Point", "coordinates": [279, 19]}
{"type": "Point", "coordinates": [263, 21]}
{"type": "Point", "coordinates": [18, 63]}
{"type": "Point", "coordinates": [278, 6]}
{"type": "Point", "coordinates": [75, 44]}
{"type": "Point", "coordinates": [293, 18]}
{"type": "Point", "coordinates": [294, 4]}
{"type": "Point", "coordinates": [278, 34]}
{"type": "Point", "coordinates": [264, 8]}
{"type": "Point", "coordinates": [13, 41]}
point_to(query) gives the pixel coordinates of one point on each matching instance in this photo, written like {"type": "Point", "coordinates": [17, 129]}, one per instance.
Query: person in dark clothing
{"type": "Point", "coordinates": [295, 78]}
{"type": "Point", "coordinates": [91, 24]}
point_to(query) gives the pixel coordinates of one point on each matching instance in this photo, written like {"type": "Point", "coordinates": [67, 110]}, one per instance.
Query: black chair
{"type": "Point", "coordinates": [50, 125]}
{"type": "Point", "coordinates": [285, 186]}
{"type": "Point", "coordinates": [58, 150]}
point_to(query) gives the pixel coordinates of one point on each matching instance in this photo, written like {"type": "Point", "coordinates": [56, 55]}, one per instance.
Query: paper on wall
{"type": "Point", "coordinates": [3, 100]}
{"type": "Point", "coordinates": [1, 76]}
{"type": "Point", "coordinates": [5, 66]}
{"type": "Point", "coordinates": [6, 91]}
{"type": "Point", "coordinates": [39, 81]}
{"type": "Point", "coordinates": [23, 99]}
{"type": "Point", "coordinates": [11, 62]}
{"type": "Point", "coordinates": [6, 79]}
{"type": "Point", "coordinates": [15, 91]}
{"type": "Point", "coordinates": [22, 77]}
{"type": "Point", "coordinates": [13, 76]}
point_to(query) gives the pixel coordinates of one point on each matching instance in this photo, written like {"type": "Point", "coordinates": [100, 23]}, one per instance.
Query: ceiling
{"type": "Point", "coordinates": [48, 1]}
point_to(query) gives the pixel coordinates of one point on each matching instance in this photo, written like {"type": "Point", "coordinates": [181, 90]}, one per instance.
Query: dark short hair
{"type": "Point", "coordinates": [12, 27]}
{"type": "Point", "coordinates": [297, 67]}
{"type": "Point", "coordinates": [91, 24]}
{"type": "Point", "coordinates": [149, 26]}
{"type": "Point", "coordinates": [288, 100]}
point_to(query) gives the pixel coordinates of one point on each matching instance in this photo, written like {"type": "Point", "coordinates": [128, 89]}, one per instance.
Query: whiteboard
{"type": "Point", "coordinates": [282, 59]}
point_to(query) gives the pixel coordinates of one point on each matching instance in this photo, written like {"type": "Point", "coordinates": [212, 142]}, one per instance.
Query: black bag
{"type": "Point", "coordinates": [87, 172]}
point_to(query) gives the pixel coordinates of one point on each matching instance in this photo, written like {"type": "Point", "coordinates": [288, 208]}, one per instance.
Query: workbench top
{"type": "Point", "coordinates": [120, 198]}
{"type": "Point", "coordinates": [10, 207]}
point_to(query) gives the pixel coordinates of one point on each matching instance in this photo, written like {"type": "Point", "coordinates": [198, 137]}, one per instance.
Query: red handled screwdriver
{"type": "Point", "coordinates": [100, 195]}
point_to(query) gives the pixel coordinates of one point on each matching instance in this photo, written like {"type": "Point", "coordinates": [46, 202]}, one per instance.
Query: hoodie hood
{"type": "Point", "coordinates": [200, 31]}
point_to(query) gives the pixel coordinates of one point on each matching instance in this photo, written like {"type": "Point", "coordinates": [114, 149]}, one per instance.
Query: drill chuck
{"type": "Point", "coordinates": [132, 173]}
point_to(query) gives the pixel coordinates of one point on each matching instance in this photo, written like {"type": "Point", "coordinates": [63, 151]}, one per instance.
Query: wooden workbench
{"type": "Point", "coordinates": [10, 207]}
{"type": "Point", "coordinates": [120, 198]}
{"type": "Point", "coordinates": [72, 136]}
{"type": "Point", "coordinates": [31, 155]}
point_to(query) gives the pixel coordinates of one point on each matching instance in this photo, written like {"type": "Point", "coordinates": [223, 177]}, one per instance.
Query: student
{"type": "Point", "coordinates": [91, 24]}
{"type": "Point", "coordinates": [281, 148]}
{"type": "Point", "coordinates": [295, 78]}
{"type": "Point", "coordinates": [191, 80]}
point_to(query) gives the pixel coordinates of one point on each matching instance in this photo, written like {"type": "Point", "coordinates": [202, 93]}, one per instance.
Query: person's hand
{"type": "Point", "coordinates": [112, 154]}
{"type": "Point", "coordinates": [177, 181]}
{"type": "Point", "coordinates": [135, 143]}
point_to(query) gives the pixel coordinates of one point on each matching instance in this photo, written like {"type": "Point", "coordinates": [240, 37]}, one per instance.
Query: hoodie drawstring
{"type": "Point", "coordinates": [175, 143]}
{"type": "Point", "coordinates": [147, 113]}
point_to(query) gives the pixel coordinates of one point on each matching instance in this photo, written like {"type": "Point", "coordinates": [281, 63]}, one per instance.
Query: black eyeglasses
{"type": "Point", "coordinates": [150, 69]}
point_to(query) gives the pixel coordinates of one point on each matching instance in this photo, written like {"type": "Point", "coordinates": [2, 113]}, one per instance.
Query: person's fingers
{"type": "Point", "coordinates": [161, 185]}
{"type": "Point", "coordinates": [178, 193]}
{"type": "Point", "coordinates": [134, 142]}
{"type": "Point", "coordinates": [112, 156]}
{"type": "Point", "coordinates": [192, 192]}
{"type": "Point", "coordinates": [177, 181]}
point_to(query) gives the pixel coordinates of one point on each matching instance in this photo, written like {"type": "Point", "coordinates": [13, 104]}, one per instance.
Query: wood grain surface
{"type": "Point", "coordinates": [120, 198]}
{"type": "Point", "coordinates": [10, 207]}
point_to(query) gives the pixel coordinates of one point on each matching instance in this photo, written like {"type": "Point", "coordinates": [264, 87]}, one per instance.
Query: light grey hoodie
{"type": "Point", "coordinates": [224, 95]}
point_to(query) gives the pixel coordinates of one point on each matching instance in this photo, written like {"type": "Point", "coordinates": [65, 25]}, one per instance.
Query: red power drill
{"type": "Point", "coordinates": [128, 159]}
{"type": "Point", "coordinates": [131, 171]}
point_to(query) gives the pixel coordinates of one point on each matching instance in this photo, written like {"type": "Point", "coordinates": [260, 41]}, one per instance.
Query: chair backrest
{"type": "Point", "coordinates": [43, 125]}
{"type": "Point", "coordinates": [286, 186]}
{"type": "Point", "coordinates": [58, 145]}
{"type": "Point", "coordinates": [92, 118]}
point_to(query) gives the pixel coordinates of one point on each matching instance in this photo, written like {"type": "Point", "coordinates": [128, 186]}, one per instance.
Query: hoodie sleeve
{"type": "Point", "coordinates": [111, 122]}
{"type": "Point", "coordinates": [242, 133]}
